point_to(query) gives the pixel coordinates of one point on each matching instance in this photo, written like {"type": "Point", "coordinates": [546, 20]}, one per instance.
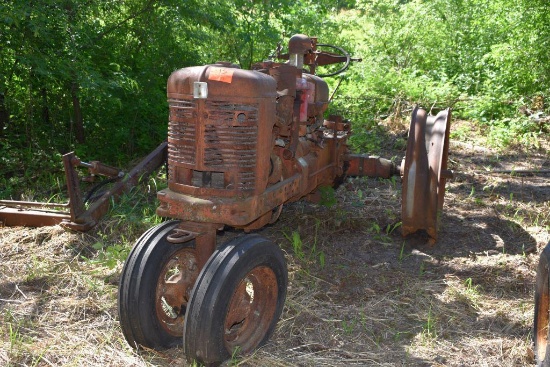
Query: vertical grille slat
{"type": "Point", "coordinates": [181, 128]}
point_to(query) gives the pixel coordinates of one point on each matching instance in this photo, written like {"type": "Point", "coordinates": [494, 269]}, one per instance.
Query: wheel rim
{"type": "Point", "coordinates": [174, 285]}
{"type": "Point", "coordinates": [542, 316]}
{"type": "Point", "coordinates": [251, 310]}
{"type": "Point", "coordinates": [438, 155]}
{"type": "Point", "coordinates": [425, 172]}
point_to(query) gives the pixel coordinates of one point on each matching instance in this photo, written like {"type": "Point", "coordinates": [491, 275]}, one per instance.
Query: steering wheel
{"type": "Point", "coordinates": [323, 58]}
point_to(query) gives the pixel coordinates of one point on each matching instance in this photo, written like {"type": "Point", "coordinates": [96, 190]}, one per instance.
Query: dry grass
{"type": "Point", "coordinates": [359, 295]}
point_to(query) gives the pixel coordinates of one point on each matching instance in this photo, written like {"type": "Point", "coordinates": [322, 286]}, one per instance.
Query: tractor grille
{"type": "Point", "coordinates": [229, 134]}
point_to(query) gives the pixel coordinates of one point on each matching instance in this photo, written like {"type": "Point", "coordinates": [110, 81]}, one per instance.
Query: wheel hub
{"type": "Point", "coordinates": [251, 309]}
{"type": "Point", "coordinates": [173, 287]}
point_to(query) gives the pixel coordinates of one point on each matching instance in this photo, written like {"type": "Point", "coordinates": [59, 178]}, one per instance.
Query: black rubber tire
{"type": "Point", "coordinates": [541, 332]}
{"type": "Point", "coordinates": [204, 331]}
{"type": "Point", "coordinates": [137, 289]}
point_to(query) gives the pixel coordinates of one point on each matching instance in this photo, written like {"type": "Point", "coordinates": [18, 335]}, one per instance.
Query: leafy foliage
{"type": "Point", "coordinates": [487, 60]}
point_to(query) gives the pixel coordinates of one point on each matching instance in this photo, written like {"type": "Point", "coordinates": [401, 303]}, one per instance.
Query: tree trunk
{"type": "Point", "coordinates": [45, 107]}
{"type": "Point", "coordinates": [77, 114]}
{"type": "Point", "coordinates": [4, 115]}
{"type": "Point", "coordinates": [75, 87]}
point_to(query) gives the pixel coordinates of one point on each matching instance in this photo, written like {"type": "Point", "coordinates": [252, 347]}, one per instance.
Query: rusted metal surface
{"type": "Point", "coordinates": [220, 145]}
{"type": "Point", "coordinates": [74, 214]}
{"type": "Point", "coordinates": [425, 172]}
{"type": "Point", "coordinates": [173, 289]}
{"type": "Point", "coordinates": [98, 168]}
{"type": "Point", "coordinates": [371, 166]}
{"type": "Point", "coordinates": [180, 235]}
{"type": "Point", "coordinates": [251, 310]}
{"type": "Point", "coordinates": [223, 164]}
{"type": "Point", "coordinates": [202, 233]}
{"type": "Point", "coordinates": [89, 218]}
{"type": "Point", "coordinates": [303, 51]}
{"type": "Point", "coordinates": [76, 201]}
{"type": "Point", "coordinates": [21, 215]}
{"type": "Point", "coordinates": [542, 308]}
{"type": "Point", "coordinates": [303, 175]}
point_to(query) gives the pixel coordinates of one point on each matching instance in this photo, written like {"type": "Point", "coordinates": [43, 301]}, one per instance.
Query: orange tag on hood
{"type": "Point", "coordinates": [224, 75]}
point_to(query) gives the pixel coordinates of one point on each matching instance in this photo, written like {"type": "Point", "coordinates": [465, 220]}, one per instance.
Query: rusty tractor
{"type": "Point", "coordinates": [241, 144]}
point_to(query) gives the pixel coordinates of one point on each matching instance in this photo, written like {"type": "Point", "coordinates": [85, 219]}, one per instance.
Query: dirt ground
{"type": "Point", "coordinates": [359, 294]}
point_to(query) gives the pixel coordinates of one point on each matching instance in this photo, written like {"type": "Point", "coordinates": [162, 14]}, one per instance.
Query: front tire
{"type": "Point", "coordinates": [237, 300]}
{"type": "Point", "coordinates": [154, 289]}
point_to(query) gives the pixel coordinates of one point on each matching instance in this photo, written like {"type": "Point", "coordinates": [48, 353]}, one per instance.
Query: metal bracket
{"type": "Point", "coordinates": [179, 235]}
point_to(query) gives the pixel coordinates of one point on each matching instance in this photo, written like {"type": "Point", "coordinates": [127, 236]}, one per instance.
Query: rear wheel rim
{"type": "Point", "coordinates": [542, 315]}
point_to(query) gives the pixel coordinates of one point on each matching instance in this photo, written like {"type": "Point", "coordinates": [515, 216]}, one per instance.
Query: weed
{"type": "Point", "coordinates": [378, 235]}
{"type": "Point", "coordinates": [399, 335]}
{"type": "Point", "coordinates": [36, 269]}
{"type": "Point", "coordinates": [234, 356]}
{"type": "Point", "coordinates": [428, 329]}
{"type": "Point", "coordinates": [536, 221]}
{"type": "Point", "coordinates": [340, 216]}
{"type": "Point", "coordinates": [490, 188]}
{"type": "Point", "coordinates": [518, 217]}
{"type": "Point", "coordinates": [390, 228]}
{"type": "Point", "coordinates": [402, 255]}
{"type": "Point", "coordinates": [322, 259]}
{"type": "Point", "coordinates": [363, 319]}
{"type": "Point", "coordinates": [93, 284]}
{"type": "Point", "coordinates": [393, 182]}
{"type": "Point", "coordinates": [390, 213]}
{"type": "Point", "coordinates": [316, 233]}
{"type": "Point", "coordinates": [297, 245]}
{"type": "Point", "coordinates": [471, 293]}
{"type": "Point", "coordinates": [328, 196]}
{"type": "Point", "coordinates": [37, 359]}
{"type": "Point", "coordinates": [462, 133]}
{"type": "Point", "coordinates": [359, 200]}
{"type": "Point", "coordinates": [15, 337]}
{"type": "Point", "coordinates": [314, 251]}
{"type": "Point", "coordinates": [348, 327]}
{"type": "Point", "coordinates": [16, 340]}
{"type": "Point", "coordinates": [110, 256]}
